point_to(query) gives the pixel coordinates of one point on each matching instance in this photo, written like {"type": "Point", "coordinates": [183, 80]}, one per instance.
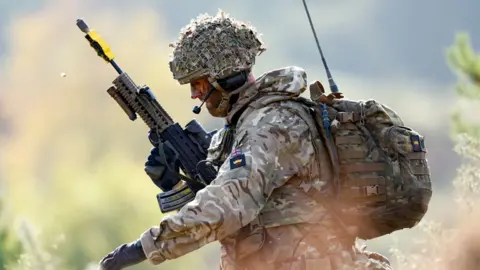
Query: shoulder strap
{"type": "Point", "coordinates": [320, 139]}
{"type": "Point", "coordinates": [318, 133]}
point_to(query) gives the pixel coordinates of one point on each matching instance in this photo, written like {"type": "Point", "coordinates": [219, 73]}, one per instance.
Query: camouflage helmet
{"type": "Point", "coordinates": [214, 46]}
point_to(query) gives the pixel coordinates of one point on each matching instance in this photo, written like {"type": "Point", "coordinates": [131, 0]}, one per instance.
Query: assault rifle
{"type": "Point", "coordinates": [184, 149]}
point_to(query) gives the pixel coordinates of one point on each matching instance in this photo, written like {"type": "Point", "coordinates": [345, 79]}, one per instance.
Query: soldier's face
{"type": "Point", "coordinates": [199, 89]}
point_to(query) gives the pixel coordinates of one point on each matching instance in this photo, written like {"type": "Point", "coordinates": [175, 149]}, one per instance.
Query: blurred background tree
{"type": "Point", "coordinates": [456, 247]}
{"type": "Point", "coordinates": [465, 119]}
{"type": "Point", "coordinates": [466, 65]}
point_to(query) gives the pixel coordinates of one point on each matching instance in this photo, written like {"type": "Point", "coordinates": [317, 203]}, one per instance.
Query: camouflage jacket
{"type": "Point", "coordinates": [259, 207]}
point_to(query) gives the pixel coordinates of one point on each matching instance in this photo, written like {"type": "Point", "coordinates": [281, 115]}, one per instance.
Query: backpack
{"type": "Point", "coordinates": [381, 175]}
{"type": "Point", "coordinates": [382, 178]}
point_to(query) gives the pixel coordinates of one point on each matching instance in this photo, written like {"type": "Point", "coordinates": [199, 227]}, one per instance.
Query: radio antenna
{"type": "Point", "coordinates": [331, 82]}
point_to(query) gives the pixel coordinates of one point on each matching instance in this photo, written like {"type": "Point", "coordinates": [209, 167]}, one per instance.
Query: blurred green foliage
{"type": "Point", "coordinates": [465, 121]}
{"type": "Point", "coordinates": [454, 247]}
{"type": "Point", "coordinates": [466, 64]}
{"type": "Point", "coordinates": [10, 246]}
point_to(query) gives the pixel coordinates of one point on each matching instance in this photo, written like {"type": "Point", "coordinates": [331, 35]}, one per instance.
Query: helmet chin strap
{"type": "Point", "coordinates": [225, 101]}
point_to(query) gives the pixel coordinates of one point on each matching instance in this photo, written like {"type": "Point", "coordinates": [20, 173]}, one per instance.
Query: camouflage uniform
{"type": "Point", "coordinates": [260, 206]}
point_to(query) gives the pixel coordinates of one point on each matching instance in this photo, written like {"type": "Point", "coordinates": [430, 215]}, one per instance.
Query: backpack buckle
{"type": "Point", "coordinates": [345, 117]}
{"type": "Point", "coordinates": [371, 190]}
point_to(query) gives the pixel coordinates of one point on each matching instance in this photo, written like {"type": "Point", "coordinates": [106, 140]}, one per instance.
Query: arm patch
{"type": "Point", "coordinates": [237, 159]}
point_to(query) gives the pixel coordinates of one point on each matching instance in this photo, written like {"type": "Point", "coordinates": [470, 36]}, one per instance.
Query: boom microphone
{"type": "Point", "coordinates": [198, 109]}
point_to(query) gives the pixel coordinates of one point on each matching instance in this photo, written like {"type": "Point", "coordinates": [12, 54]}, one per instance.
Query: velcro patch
{"type": "Point", "coordinates": [237, 159]}
{"type": "Point", "coordinates": [422, 144]}
{"type": "Point", "coordinates": [416, 143]}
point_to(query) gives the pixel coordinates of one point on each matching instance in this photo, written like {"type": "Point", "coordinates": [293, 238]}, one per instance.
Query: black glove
{"type": "Point", "coordinates": [162, 167]}
{"type": "Point", "coordinates": [124, 256]}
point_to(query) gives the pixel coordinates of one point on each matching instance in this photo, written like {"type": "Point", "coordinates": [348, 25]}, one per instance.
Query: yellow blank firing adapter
{"type": "Point", "coordinates": [96, 41]}
{"type": "Point", "coordinates": [98, 44]}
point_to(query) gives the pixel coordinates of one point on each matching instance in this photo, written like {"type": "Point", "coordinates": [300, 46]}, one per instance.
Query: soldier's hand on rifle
{"type": "Point", "coordinates": [162, 167]}
{"type": "Point", "coordinates": [158, 171]}
{"type": "Point", "coordinates": [154, 166]}
{"type": "Point", "coordinates": [122, 257]}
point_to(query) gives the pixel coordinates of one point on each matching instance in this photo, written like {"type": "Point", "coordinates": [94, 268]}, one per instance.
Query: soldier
{"type": "Point", "coordinates": [260, 206]}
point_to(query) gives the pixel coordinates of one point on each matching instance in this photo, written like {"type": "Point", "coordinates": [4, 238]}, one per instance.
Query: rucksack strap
{"type": "Point", "coordinates": [319, 134]}
{"type": "Point", "coordinates": [320, 139]}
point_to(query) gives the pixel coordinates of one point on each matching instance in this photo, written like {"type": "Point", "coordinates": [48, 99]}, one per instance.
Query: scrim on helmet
{"type": "Point", "coordinates": [214, 46]}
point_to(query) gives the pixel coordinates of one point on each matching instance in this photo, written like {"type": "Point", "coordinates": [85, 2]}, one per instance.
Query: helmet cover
{"type": "Point", "coordinates": [214, 46]}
